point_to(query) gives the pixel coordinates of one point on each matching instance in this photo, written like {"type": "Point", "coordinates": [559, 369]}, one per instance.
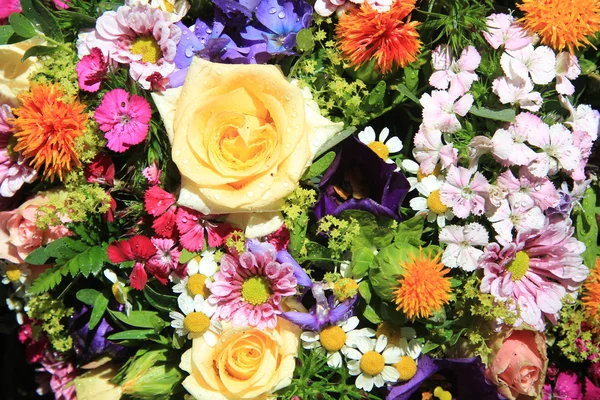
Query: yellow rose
{"type": "Point", "coordinates": [13, 72]}
{"type": "Point", "coordinates": [242, 136]}
{"type": "Point", "coordinates": [246, 363]}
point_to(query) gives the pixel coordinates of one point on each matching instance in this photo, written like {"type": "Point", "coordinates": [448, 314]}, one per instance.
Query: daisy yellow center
{"type": "Point", "coordinates": [170, 7]}
{"type": "Point", "coordinates": [372, 363]}
{"type": "Point", "coordinates": [380, 149]}
{"type": "Point", "coordinates": [434, 203]}
{"type": "Point", "coordinates": [442, 394]}
{"type": "Point", "coordinates": [436, 172]}
{"type": "Point", "coordinates": [332, 338]}
{"type": "Point", "coordinates": [256, 290]}
{"type": "Point", "coordinates": [407, 367]}
{"type": "Point", "coordinates": [390, 331]}
{"type": "Point", "coordinates": [519, 266]}
{"type": "Point", "coordinates": [148, 48]}
{"type": "Point", "coordinates": [13, 274]}
{"type": "Point", "coordinates": [118, 293]}
{"type": "Point", "coordinates": [196, 322]}
{"type": "Point", "coordinates": [345, 288]}
{"type": "Point", "coordinates": [197, 285]}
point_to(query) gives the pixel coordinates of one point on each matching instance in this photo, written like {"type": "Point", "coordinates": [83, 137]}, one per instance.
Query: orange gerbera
{"type": "Point", "coordinates": [364, 33]}
{"type": "Point", "coordinates": [591, 294]}
{"type": "Point", "coordinates": [424, 287]}
{"type": "Point", "coordinates": [46, 128]}
{"type": "Point", "coordinates": [562, 23]}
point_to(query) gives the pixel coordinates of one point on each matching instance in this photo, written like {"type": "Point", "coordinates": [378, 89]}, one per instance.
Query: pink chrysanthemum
{"type": "Point", "coordinates": [123, 118]}
{"type": "Point", "coordinates": [165, 260]}
{"type": "Point", "coordinates": [535, 272]}
{"type": "Point", "coordinates": [91, 69]}
{"type": "Point", "coordinates": [142, 37]}
{"type": "Point", "coordinates": [248, 290]}
{"type": "Point", "coordinates": [192, 225]}
{"type": "Point", "coordinates": [464, 192]}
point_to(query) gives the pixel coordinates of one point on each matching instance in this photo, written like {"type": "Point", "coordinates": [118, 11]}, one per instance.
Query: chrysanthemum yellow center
{"type": "Point", "coordinates": [407, 368]}
{"type": "Point", "coordinates": [434, 203]}
{"type": "Point", "coordinates": [332, 338]}
{"type": "Point", "coordinates": [118, 293]}
{"type": "Point", "coordinates": [345, 289]}
{"type": "Point", "coordinates": [197, 285]}
{"type": "Point", "coordinates": [380, 149]}
{"type": "Point", "coordinates": [392, 333]}
{"type": "Point", "coordinates": [442, 394]}
{"type": "Point", "coordinates": [519, 266]}
{"type": "Point", "coordinates": [148, 48]}
{"type": "Point", "coordinates": [13, 274]}
{"type": "Point", "coordinates": [196, 322]}
{"type": "Point", "coordinates": [372, 363]}
{"type": "Point", "coordinates": [256, 290]}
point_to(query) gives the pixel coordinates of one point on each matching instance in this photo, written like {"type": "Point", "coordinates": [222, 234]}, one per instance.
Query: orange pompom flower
{"type": "Point", "coordinates": [562, 23]}
{"type": "Point", "coordinates": [591, 294]}
{"type": "Point", "coordinates": [365, 33]}
{"type": "Point", "coordinates": [423, 286]}
{"type": "Point", "coordinates": [46, 128]}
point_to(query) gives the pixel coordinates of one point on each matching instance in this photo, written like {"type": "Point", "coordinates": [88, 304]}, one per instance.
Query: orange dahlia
{"type": "Point", "coordinates": [365, 33]}
{"type": "Point", "coordinates": [562, 23]}
{"type": "Point", "coordinates": [46, 128]}
{"type": "Point", "coordinates": [423, 286]}
{"type": "Point", "coordinates": [591, 294]}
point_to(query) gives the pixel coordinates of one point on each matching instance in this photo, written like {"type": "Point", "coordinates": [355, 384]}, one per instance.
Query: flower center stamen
{"type": "Point", "coordinates": [345, 289]}
{"type": "Point", "coordinates": [332, 338]}
{"type": "Point", "coordinates": [380, 149]}
{"type": "Point", "coordinates": [407, 367]}
{"type": "Point", "coordinates": [197, 285]}
{"type": "Point", "coordinates": [196, 322]}
{"type": "Point", "coordinates": [372, 363]}
{"type": "Point", "coordinates": [13, 274]}
{"type": "Point", "coordinates": [434, 203]}
{"type": "Point", "coordinates": [256, 290]}
{"type": "Point", "coordinates": [519, 266]}
{"type": "Point", "coordinates": [390, 331]}
{"type": "Point", "coordinates": [148, 48]}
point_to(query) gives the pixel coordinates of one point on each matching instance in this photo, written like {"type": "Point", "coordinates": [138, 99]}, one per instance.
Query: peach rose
{"type": "Point", "coordinates": [246, 363]}
{"type": "Point", "coordinates": [518, 364]}
{"type": "Point", "coordinates": [242, 136]}
{"type": "Point", "coordinates": [18, 234]}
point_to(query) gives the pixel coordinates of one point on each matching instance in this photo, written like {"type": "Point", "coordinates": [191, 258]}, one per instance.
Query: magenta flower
{"type": "Point", "coordinates": [567, 386]}
{"type": "Point", "coordinates": [192, 225]}
{"type": "Point", "coordinates": [152, 174]}
{"type": "Point", "coordinates": [248, 290]}
{"type": "Point", "coordinates": [165, 260]}
{"type": "Point", "coordinates": [540, 190]}
{"type": "Point", "coordinates": [123, 118]}
{"type": "Point", "coordinates": [535, 272]}
{"type": "Point", "coordinates": [64, 4]}
{"type": "Point", "coordinates": [458, 74]}
{"type": "Point", "coordinates": [8, 7]}
{"type": "Point", "coordinates": [91, 69]}
{"type": "Point", "coordinates": [464, 192]}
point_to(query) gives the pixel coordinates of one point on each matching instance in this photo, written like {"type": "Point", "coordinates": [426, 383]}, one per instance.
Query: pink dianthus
{"type": "Point", "coordinates": [91, 69]}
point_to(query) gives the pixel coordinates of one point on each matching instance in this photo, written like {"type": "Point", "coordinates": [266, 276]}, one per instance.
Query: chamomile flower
{"type": "Point", "coordinates": [16, 275]}
{"type": "Point", "coordinates": [119, 289]}
{"type": "Point", "coordinates": [409, 354]}
{"type": "Point", "coordinates": [16, 304]}
{"type": "Point", "coordinates": [411, 167]}
{"type": "Point", "coordinates": [430, 203]}
{"type": "Point", "coordinates": [382, 147]}
{"type": "Point", "coordinates": [336, 340]}
{"type": "Point", "coordinates": [200, 270]}
{"type": "Point", "coordinates": [196, 319]}
{"type": "Point", "coordinates": [373, 362]}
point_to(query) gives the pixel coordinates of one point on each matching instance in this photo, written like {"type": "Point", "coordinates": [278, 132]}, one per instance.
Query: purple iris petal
{"type": "Point", "coordinates": [381, 188]}
{"type": "Point", "coordinates": [301, 276]}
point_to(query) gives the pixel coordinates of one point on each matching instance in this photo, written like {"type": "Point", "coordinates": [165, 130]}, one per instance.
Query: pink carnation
{"type": "Point", "coordinates": [440, 110]}
{"type": "Point", "coordinates": [458, 74]}
{"type": "Point", "coordinates": [123, 118]}
{"type": "Point", "coordinates": [152, 174]}
{"type": "Point", "coordinates": [248, 290]}
{"type": "Point", "coordinates": [8, 7]}
{"type": "Point", "coordinates": [464, 192]}
{"type": "Point", "coordinates": [192, 225]}
{"type": "Point", "coordinates": [91, 69]}
{"type": "Point", "coordinates": [165, 260]}
{"type": "Point", "coordinates": [503, 30]}
{"type": "Point", "coordinates": [429, 150]}
{"type": "Point", "coordinates": [540, 190]}
{"type": "Point", "coordinates": [64, 4]}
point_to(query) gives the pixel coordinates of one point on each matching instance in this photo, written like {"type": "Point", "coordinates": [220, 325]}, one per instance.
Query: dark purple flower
{"type": "Point", "coordinates": [358, 179]}
{"type": "Point", "coordinates": [567, 386]}
{"type": "Point", "coordinates": [323, 313]}
{"type": "Point", "coordinates": [463, 375]}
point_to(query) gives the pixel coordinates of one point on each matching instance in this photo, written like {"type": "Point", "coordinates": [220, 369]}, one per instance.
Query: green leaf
{"type": "Point", "coordinates": [159, 301]}
{"type": "Point", "coordinates": [319, 166]}
{"type": "Point", "coordinates": [364, 288]}
{"type": "Point", "coordinates": [134, 334]}
{"type": "Point", "coordinates": [186, 256]}
{"type": "Point", "coordinates": [586, 227]}
{"type": "Point", "coordinates": [298, 234]}
{"type": "Point", "coordinates": [506, 115]}
{"type": "Point", "coordinates": [371, 315]}
{"type": "Point", "coordinates": [407, 92]}
{"type": "Point", "coordinates": [410, 231]}
{"type": "Point", "coordinates": [21, 25]}
{"type": "Point", "coordinates": [37, 257]}
{"type": "Point", "coordinates": [335, 140]}
{"type": "Point", "coordinates": [141, 319]}
{"type": "Point", "coordinates": [83, 20]}
{"type": "Point", "coordinates": [411, 79]}
{"type": "Point", "coordinates": [304, 40]}
{"type": "Point", "coordinates": [429, 346]}
{"type": "Point", "coordinates": [5, 33]}
{"type": "Point", "coordinates": [88, 296]}
{"type": "Point", "coordinates": [37, 51]}
{"type": "Point", "coordinates": [375, 99]}
{"type": "Point", "coordinates": [98, 310]}
{"type": "Point", "coordinates": [362, 259]}
{"type": "Point", "coordinates": [47, 21]}
{"type": "Point", "coordinates": [48, 280]}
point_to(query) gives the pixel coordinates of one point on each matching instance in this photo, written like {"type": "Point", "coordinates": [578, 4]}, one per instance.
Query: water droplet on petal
{"type": "Point", "coordinates": [272, 10]}
{"type": "Point", "coordinates": [184, 220]}
{"type": "Point", "coordinates": [189, 52]}
{"type": "Point", "coordinates": [281, 15]}
{"type": "Point", "coordinates": [288, 96]}
{"type": "Point", "coordinates": [294, 114]}
{"type": "Point", "coordinates": [209, 31]}
{"type": "Point", "coordinates": [538, 187]}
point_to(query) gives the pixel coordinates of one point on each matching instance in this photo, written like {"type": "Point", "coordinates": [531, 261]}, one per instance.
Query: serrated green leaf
{"type": "Point", "coordinates": [5, 33]}
{"type": "Point", "coordinates": [21, 25]}
{"type": "Point", "coordinates": [98, 257]}
{"type": "Point", "coordinates": [506, 115]}
{"type": "Point", "coordinates": [37, 257]}
{"type": "Point", "coordinates": [134, 334]}
{"type": "Point", "coordinates": [186, 256]}
{"type": "Point", "coordinates": [76, 245]}
{"type": "Point", "coordinates": [84, 263]}
{"type": "Point", "coordinates": [411, 79]}
{"type": "Point", "coordinates": [141, 319]}
{"type": "Point", "coordinates": [47, 280]}
{"type": "Point", "coordinates": [160, 301]}
{"type": "Point", "coordinates": [319, 166]}
{"type": "Point", "coordinates": [304, 40]}
{"type": "Point", "coordinates": [98, 310]}
{"type": "Point", "coordinates": [88, 296]}
{"type": "Point", "coordinates": [375, 99]}
{"type": "Point", "coordinates": [335, 140]}
{"type": "Point", "coordinates": [410, 231]}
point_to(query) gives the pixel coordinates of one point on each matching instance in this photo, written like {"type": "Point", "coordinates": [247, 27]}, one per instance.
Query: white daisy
{"type": "Point", "coordinates": [17, 305]}
{"type": "Point", "coordinates": [200, 269]}
{"type": "Point", "coordinates": [394, 333]}
{"type": "Point", "coordinates": [381, 147]}
{"type": "Point", "coordinates": [17, 275]}
{"type": "Point", "coordinates": [429, 203]}
{"type": "Point", "coordinates": [119, 290]}
{"type": "Point", "coordinates": [372, 362]}
{"type": "Point", "coordinates": [410, 167]}
{"type": "Point", "coordinates": [196, 319]}
{"type": "Point", "coordinates": [335, 339]}
{"type": "Point", "coordinates": [409, 354]}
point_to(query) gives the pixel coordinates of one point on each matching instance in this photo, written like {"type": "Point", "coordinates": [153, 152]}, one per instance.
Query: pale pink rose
{"type": "Point", "coordinates": [19, 235]}
{"type": "Point", "coordinates": [517, 364]}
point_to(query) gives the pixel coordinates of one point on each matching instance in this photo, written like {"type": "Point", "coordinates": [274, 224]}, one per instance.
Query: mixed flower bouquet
{"type": "Point", "coordinates": [257, 199]}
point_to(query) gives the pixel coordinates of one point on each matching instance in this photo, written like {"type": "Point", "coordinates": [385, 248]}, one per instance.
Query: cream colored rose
{"type": "Point", "coordinates": [246, 363]}
{"type": "Point", "coordinates": [242, 136]}
{"type": "Point", "coordinates": [13, 72]}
